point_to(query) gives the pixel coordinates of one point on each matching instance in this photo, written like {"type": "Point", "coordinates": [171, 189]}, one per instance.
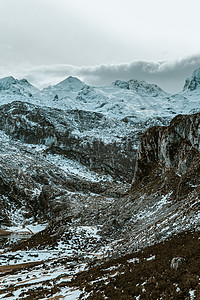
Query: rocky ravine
{"type": "Point", "coordinates": [165, 192]}
{"type": "Point", "coordinates": [160, 215]}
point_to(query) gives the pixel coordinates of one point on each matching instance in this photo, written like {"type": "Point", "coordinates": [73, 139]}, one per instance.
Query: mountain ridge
{"type": "Point", "coordinates": [117, 100]}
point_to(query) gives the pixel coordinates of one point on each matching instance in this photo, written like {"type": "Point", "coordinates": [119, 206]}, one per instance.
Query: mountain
{"type": "Point", "coordinates": [102, 180]}
{"type": "Point", "coordinates": [192, 83]}
{"type": "Point", "coordinates": [71, 83]}
{"type": "Point", "coordinates": [131, 99]}
{"type": "Point", "coordinates": [141, 87]}
{"type": "Point", "coordinates": [10, 85]}
{"type": "Point", "coordinates": [65, 90]}
{"type": "Point", "coordinates": [110, 100]}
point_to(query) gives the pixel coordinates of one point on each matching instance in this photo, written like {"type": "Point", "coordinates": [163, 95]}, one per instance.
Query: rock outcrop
{"type": "Point", "coordinates": [171, 155]}
{"type": "Point", "coordinates": [193, 82]}
{"type": "Point", "coordinates": [102, 144]}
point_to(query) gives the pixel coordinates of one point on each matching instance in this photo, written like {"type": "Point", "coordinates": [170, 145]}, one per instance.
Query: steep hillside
{"type": "Point", "coordinates": [172, 155]}
{"type": "Point", "coordinates": [102, 144]}
{"type": "Point", "coordinates": [165, 192]}
{"type": "Point", "coordinates": [11, 86]}
{"type": "Point", "coordinates": [168, 270]}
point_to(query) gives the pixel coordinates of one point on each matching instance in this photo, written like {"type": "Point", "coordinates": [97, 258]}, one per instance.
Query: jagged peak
{"type": "Point", "coordinates": [193, 82]}
{"type": "Point", "coordinates": [11, 85]}
{"type": "Point", "coordinates": [10, 80]}
{"type": "Point", "coordinates": [139, 86]}
{"type": "Point", "coordinates": [7, 81]}
{"type": "Point", "coordinates": [24, 81]}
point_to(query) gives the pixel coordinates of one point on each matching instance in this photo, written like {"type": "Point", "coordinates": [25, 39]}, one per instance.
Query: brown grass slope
{"type": "Point", "coordinates": [150, 276]}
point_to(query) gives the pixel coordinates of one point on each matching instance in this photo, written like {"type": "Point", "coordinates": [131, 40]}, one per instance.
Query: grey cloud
{"type": "Point", "coordinates": [169, 75]}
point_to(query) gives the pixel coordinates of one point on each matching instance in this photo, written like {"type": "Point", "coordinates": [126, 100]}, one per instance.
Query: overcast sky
{"type": "Point", "coordinates": [100, 40]}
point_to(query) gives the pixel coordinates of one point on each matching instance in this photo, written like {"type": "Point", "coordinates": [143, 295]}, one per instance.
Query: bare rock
{"type": "Point", "coordinates": [176, 262]}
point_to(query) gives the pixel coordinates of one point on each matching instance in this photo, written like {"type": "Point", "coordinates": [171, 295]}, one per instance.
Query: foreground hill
{"type": "Point", "coordinates": [168, 270]}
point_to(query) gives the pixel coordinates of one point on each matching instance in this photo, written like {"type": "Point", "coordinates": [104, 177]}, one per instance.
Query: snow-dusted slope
{"type": "Point", "coordinates": [118, 100]}
{"type": "Point", "coordinates": [70, 84]}
{"type": "Point", "coordinates": [11, 86]}
{"type": "Point", "coordinates": [191, 93]}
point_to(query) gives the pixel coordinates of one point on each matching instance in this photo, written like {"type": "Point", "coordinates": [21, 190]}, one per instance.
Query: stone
{"type": "Point", "coordinates": [176, 262]}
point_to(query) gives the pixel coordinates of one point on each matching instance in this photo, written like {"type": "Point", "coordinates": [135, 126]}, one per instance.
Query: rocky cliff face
{"type": "Point", "coordinates": [192, 82]}
{"type": "Point", "coordinates": [171, 154]}
{"type": "Point", "coordinates": [102, 144]}
{"type": "Point", "coordinates": [165, 192]}
{"type": "Point", "coordinates": [35, 186]}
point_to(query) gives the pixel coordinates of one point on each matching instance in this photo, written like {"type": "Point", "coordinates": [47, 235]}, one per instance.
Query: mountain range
{"type": "Point", "coordinates": [94, 179]}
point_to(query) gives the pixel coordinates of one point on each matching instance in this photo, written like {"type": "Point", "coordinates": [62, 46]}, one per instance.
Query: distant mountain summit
{"type": "Point", "coordinates": [7, 82]}
{"type": "Point", "coordinates": [141, 87]}
{"type": "Point", "coordinates": [14, 86]}
{"type": "Point", "coordinates": [71, 83]}
{"type": "Point", "coordinates": [193, 82]}
{"type": "Point", "coordinates": [121, 99]}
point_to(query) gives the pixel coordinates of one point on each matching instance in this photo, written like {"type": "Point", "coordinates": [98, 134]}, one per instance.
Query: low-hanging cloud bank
{"type": "Point", "coordinates": [169, 75]}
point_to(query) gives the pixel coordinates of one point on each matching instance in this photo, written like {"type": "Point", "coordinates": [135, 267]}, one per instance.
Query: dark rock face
{"type": "Point", "coordinates": [24, 182]}
{"type": "Point", "coordinates": [193, 82]}
{"type": "Point", "coordinates": [76, 134]}
{"type": "Point", "coordinates": [33, 188]}
{"type": "Point", "coordinates": [171, 154]}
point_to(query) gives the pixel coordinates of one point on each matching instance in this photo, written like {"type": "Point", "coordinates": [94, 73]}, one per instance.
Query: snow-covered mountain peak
{"type": "Point", "coordinates": [6, 82]}
{"type": "Point", "coordinates": [12, 86]}
{"type": "Point", "coordinates": [193, 82]}
{"type": "Point", "coordinates": [71, 83]}
{"type": "Point", "coordinates": [141, 87]}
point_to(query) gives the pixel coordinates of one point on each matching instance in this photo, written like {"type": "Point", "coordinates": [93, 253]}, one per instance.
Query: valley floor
{"type": "Point", "coordinates": [146, 274]}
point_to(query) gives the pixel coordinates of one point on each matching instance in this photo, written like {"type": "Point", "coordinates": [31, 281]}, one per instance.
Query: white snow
{"type": "Point", "coordinates": [141, 100]}
{"type": "Point", "coordinates": [150, 258]}
{"type": "Point", "coordinates": [73, 167]}
{"type": "Point", "coordinates": [134, 260]}
{"type": "Point", "coordinates": [72, 295]}
{"type": "Point", "coordinates": [192, 297]}
{"type": "Point", "coordinates": [26, 229]}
